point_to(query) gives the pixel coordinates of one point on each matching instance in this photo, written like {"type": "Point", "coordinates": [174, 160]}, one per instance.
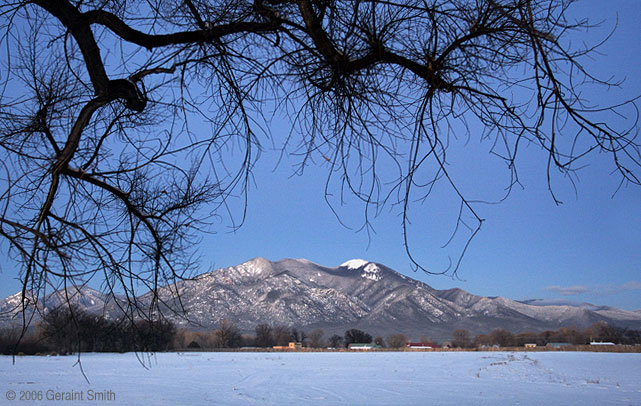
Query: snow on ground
{"type": "Point", "coordinates": [376, 378]}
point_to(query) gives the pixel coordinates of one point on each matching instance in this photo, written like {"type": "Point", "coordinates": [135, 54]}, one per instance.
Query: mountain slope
{"type": "Point", "coordinates": [85, 298]}
{"type": "Point", "coordinates": [362, 294]}
{"type": "Point", "coordinates": [356, 294]}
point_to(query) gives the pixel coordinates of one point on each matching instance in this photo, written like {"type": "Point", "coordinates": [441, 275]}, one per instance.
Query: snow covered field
{"type": "Point", "coordinates": [378, 378]}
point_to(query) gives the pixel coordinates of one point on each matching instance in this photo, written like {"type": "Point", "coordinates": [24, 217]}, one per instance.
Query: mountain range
{"type": "Point", "coordinates": [357, 294]}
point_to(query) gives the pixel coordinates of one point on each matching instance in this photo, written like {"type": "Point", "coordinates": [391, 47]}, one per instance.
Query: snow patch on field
{"type": "Point", "coordinates": [377, 378]}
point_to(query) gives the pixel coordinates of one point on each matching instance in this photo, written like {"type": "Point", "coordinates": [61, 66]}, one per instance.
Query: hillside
{"type": "Point", "coordinates": [356, 294]}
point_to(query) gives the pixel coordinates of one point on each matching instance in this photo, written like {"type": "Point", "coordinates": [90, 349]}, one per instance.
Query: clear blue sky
{"type": "Point", "coordinates": [588, 249]}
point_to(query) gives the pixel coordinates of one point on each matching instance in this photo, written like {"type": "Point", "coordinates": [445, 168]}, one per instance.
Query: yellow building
{"type": "Point", "coordinates": [292, 346]}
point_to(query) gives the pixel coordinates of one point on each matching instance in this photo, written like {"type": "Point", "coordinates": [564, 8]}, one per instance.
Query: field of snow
{"type": "Point", "coordinates": [377, 378]}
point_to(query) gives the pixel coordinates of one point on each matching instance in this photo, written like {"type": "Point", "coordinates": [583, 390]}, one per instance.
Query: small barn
{"type": "Point", "coordinates": [558, 345]}
{"type": "Point", "coordinates": [291, 346]}
{"type": "Point", "coordinates": [363, 346]}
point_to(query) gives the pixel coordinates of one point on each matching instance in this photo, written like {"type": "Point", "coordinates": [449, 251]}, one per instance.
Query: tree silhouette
{"type": "Point", "coordinates": [227, 335]}
{"type": "Point", "coordinates": [397, 340]}
{"type": "Point", "coordinates": [121, 121]}
{"type": "Point", "coordinates": [264, 337]}
{"type": "Point", "coordinates": [335, 341]}
{"type": "Point", "coordinates": [356, 336]}
{"type": "Point", "coordinates": [316, 338]}
{"type": "Point", "coordinates": [461, 338]}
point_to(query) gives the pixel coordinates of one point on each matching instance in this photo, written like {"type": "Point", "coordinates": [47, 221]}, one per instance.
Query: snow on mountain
{"type": "Point", "coordinates": [85, 298]}
{"type": "Point", "coordinates": [356, 294]}
{"type": "Point", "coordinates": [561, 302]}
{"type": "Point", "coordinates": [370, 270]}
{"type": "Point", "coordinates": [606, 311]}
{"type": "Point", "coordinates": [354, 264]}
{"type": "Point", "coordinates": [617, 314]}
{"type": "Point", "coordinates": [370, 296]}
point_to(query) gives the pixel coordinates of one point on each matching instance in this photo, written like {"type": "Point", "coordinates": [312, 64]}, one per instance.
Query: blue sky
{"type": "Point", "coordinates": [587, 249]}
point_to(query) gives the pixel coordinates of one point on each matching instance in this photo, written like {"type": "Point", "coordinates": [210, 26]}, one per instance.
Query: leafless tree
{"type": "Point", "coordinates": [60, 328]}
{"type": "Point", "coordinates": [264, 337]}
{"type": "Point", "coordinates": [125, 125]}
{"type": "Point", "coordinates": [397, 340]}
{"type": "Point", "coordinates": [502, 338]}
{"type": "Point", "coordinates": [281, 335]}
{"type": "Point", "coordinates": [316, 338]}
{"type": "Point", "coordinates": [461, 338]}
{"type": "Point", "coordinates": [227, 335]}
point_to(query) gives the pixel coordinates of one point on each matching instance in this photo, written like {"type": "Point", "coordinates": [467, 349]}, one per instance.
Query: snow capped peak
{"type": "Point", "coordinates": [258, 261]}
{"type": "Point", "coordinates": [371, 271]}
{"type": "Point", "coordinates": [354, 263]}
{"type": "Point", "coordinates": [252, 268]}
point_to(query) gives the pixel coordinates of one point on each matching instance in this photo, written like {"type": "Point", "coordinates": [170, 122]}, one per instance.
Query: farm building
{"type": "Point", "coordinates": [363, 346]}
{"type": "Point", "coordinates": [558, 345]}
{"type": "Point", "coordinates": [291, 346]}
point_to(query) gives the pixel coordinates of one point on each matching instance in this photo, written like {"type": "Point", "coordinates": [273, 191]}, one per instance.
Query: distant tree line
{"type": "Point", "coordinates": [68, 330]}
{"type": "Point", "coordinates": [227, 335]}
{"type": "Point", "coordinates": [267, 336]}
{"type": "Point", "coordinates": [12, 341]}
{"type": "Point", "coordinates": [597, 332]}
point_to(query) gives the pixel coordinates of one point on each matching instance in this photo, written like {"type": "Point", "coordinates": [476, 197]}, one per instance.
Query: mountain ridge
{"type": "Point", "coordinates": [356, 294]}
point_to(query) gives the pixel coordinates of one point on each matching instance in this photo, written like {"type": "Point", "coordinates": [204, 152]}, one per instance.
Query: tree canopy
{"type": "Point", "coordinates": [126, 125]}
